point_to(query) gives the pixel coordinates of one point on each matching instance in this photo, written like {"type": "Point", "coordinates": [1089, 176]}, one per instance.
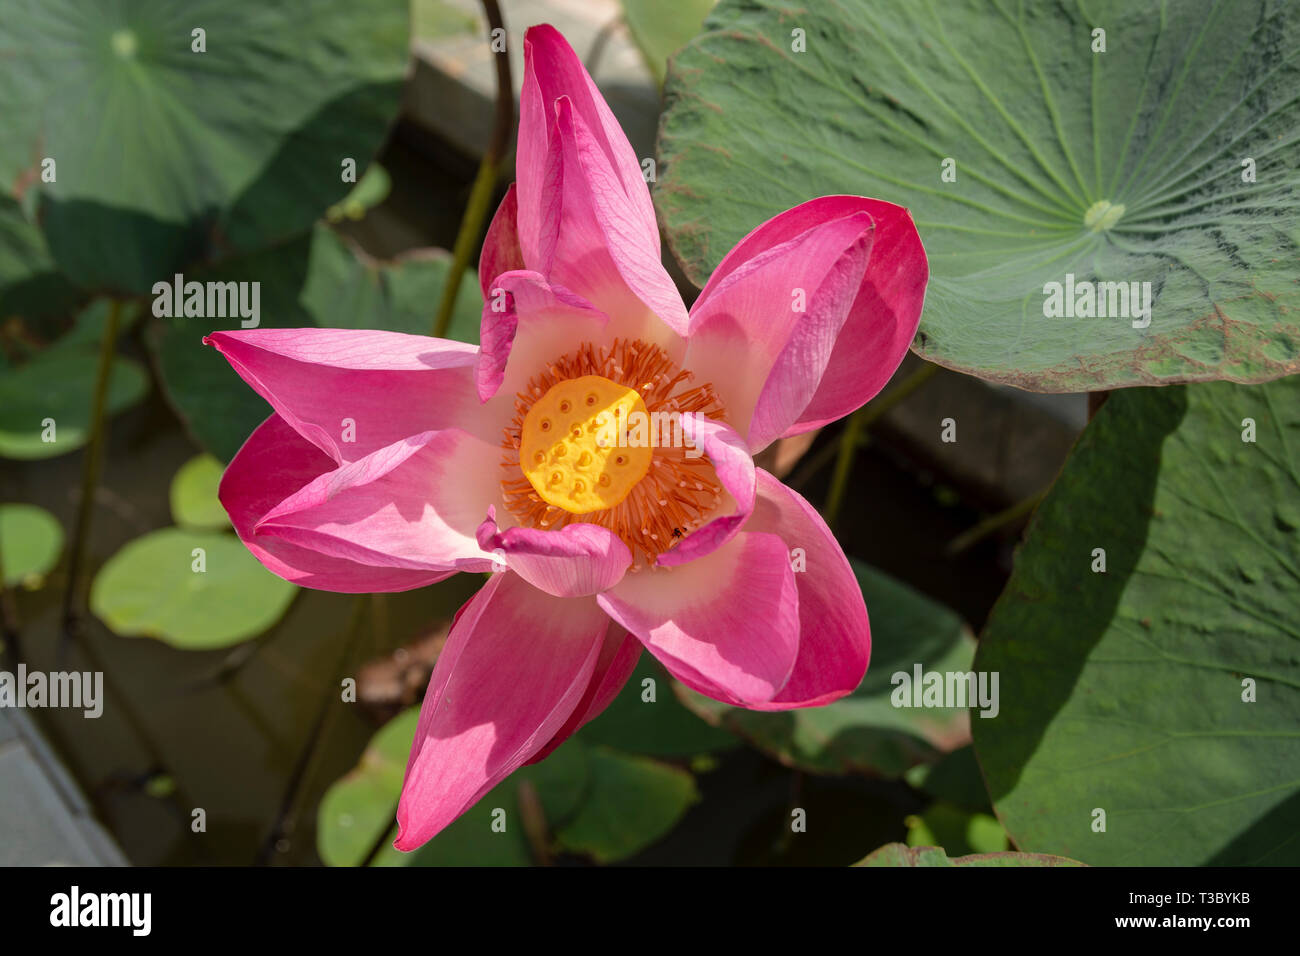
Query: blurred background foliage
{"type": "Point", "coordinates": [1120, 690]}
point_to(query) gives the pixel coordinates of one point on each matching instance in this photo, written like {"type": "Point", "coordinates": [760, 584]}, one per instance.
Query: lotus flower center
{"type": "Point", "coordinates": [570, 449]}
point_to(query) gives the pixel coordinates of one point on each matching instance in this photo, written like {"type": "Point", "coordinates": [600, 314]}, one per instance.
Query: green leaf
{"type": "Point", "coordinates": [31, 541]}
{"type": "Point", "coordinates": [897, 854]}
{"type": "Point", "coordinates": [595, 800]}
{"type": "Point", "coordinates": [954, 779]}
{"type": "Point", "coordinates": [59, 384]}
{"type": "Point", "coordinates": [30, 283]}
{"type": "Point", "coordinates": [957, 830]}
{"type": "Point", "coordinates": [368, 193]}
{"type": "Point", "coordinates": [193, 495]}
{"type": "Point", "coordinates": [1049, 141]}
{"type": "Point", "coordinates": [661, 728]}
{"type": "Point", "coordinates": [150, 588]}
{"type": "Point", "coordinates": [631, 803]}
{"type": "Point", "coordinates": [661, 27]}
{"type": "Point", "coordinates": [864, 732]}
{"type": "Point", "coordinates": [319, 279]}
{"type": "Point", "coordinates": [358, 809]}
{"type": "Point", "coordinates": [1125, 691]}
{"type": "Point", "coordinates": [166, 155]}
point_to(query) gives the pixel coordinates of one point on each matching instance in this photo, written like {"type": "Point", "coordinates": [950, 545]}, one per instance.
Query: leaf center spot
{"type": "Point", "coordinates": [1102, 215]}
{"type": "Point", "coordinates": [124, 43]}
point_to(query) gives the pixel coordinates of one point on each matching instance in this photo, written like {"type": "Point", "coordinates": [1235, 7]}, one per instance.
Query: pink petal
{"type": "Point", "coordinates": [527, 324]}
{"type": "Point", "coordinates": [727, 625]}
{"type": "Point", "coordinates": [273, 464]}
{"type": "Point", "coordinates": [387, 384]}
{"type": "Point", "coordinates": [551, 71]}
{"type": "Point", "coordinates": [834, 634]}
{"type": "Point", "coordinates": [735, 469]}
{"type": "Point", "coordinates": [515, 667]}
{"type": "Point", "coordinates": [601, 250]}
{"type": "Point", "coordinates": [577, 560]}
{"type": "Point", "coordinates": [748, 338]}
{"type": "Point", "coordinates": [415, 504]}
{"type": "Point", "coordinates": [501, 252]}
{"type": "Point", "coordinates": [618, 657]}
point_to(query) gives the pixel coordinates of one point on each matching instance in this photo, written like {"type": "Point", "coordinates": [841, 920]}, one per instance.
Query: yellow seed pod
{"type": "Point", "coordinates": [573, 446]}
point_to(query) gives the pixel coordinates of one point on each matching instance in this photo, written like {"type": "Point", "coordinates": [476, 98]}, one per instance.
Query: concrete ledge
{"type": "Point", "coordinates": [44, 818]}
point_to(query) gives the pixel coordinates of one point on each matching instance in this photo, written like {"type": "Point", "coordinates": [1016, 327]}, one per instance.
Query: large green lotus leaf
{"type": "Point", "coordinates": [898, 854]}
{"type": "Point", "coordinates": [318, 279]}
{"type": "Point", "coordinates": [151, 588]}
{"type": "Point", "coordinates": [165, 155]}
{"type": "Point", "coordinates": [59, 384]}
{"type": "Point", "coordinates": [1164, 692]}
{"type": "Point", "coordinates": [193, 495]}
{"type": "Point", "coordinates": [30, 283]}
{"type": "Point", "coordinates": [1043, 133]}
{"type": "Point", "coordinates": [30, 543]}
{"type": "Point", "coordinates": [660, 727]}
{"type": "Point", "coordinates": [864, 732]}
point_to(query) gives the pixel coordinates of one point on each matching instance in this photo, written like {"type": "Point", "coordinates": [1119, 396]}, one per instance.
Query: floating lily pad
{"type": "Point", "coordinates": [58, 386]}
{"type": "Point", "coordinates": [864, 732]}
{"type": "Point", "coordinates": [899, 854]}
{"type": "Point", "coordinates": [319, 279]}
{"type": "Point", "coordinates": [31, 541]}
{"type": "Point", "coordinates": [152, 588]}
{"type": "Point", "coordinates": [1150, 711]}
{"type": "Point", "coordinates": [1170, 158]}
{"type": "Point", "coordinates": [193, 495]}
{"type": "Point", "coordinates": [173, 146]}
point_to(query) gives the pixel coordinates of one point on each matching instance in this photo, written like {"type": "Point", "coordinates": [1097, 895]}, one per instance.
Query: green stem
{"type": "Point", "coordinates": [992, 523]}
{"type": "Point", "coordinates": [852, 436]}
{"type": "Point", "coordinates": [848, 449]}
{"type": "Point", "coordinates": [480, 194]}
{"type": "Point", "coordinates": [91, 467]}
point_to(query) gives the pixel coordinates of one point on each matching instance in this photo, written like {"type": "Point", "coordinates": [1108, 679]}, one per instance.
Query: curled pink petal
{"type": "Point", "coordinates": [273, 464]}
{"type": "Point", "coordinates": [834, 633]}
{"type": "Point", "coordinates": [727, 625]}
{"type": "Point", "coordinates": [516, 665]}
{"type": "Point", "coordinates": [351, 392]}
{"type": "Point", "coordinates": [766, 332]}
{"type": "Point", "coordinates": [552, 70]}
{"type": "Point", "coordinates": [414, 504]}
{"type": "Point", "coordinates": [574, 561]}
{"type": "Point", "coordinates": [878, 326]}
{"type": "Point", "coordinates": [735, 469]}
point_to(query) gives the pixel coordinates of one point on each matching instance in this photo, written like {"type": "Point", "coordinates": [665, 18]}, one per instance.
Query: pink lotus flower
{"type": "Point", "coordinates": [393, 461]}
